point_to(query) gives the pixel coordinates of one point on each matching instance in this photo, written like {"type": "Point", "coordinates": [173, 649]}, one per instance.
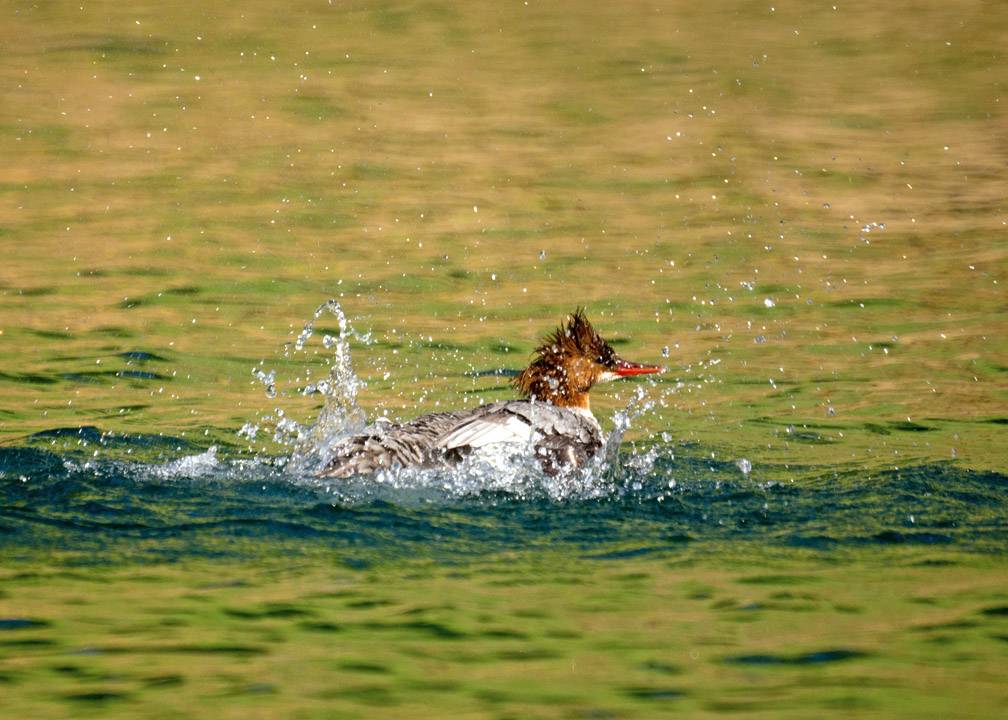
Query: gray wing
{"type": "Point", "coordinates": [388, 445]}
{"type": "Point", "coordinates": [495, 423]}
{"type": "Point", "coordinates": [562, 438]}
{"type": "Point", "coordinates": [566, 439]}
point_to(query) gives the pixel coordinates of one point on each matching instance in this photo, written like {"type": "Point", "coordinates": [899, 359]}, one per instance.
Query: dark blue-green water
{"type": "Point", "coordinates": [184, 501]}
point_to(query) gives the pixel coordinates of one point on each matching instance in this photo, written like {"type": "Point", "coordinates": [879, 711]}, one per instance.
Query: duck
{"type": "Point", "coordinates": [551, 419]}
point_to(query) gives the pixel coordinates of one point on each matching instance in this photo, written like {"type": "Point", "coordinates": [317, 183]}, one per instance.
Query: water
{"type": "Point", "coordinates": [115, 494]}
{"type": "Point", "coordinates": [85, 511]}
{"type": "Point", "coordinates": [799, 209]}
{"type": "Point", "coordinates": [360, 578]}
{"type": "Point", "coordinates": [207, 583]}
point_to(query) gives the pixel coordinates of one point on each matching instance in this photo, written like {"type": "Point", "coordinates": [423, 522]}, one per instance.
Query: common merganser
{"type": "Point", "coordinates": [554, 418]}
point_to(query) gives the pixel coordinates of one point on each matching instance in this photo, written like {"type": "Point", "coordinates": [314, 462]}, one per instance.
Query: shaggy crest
{"type": "Point", "coordinates": [565, 365]}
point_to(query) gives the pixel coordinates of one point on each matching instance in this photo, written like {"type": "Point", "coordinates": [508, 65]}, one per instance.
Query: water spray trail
{"type": "Point", "coordinates": [340, 414]}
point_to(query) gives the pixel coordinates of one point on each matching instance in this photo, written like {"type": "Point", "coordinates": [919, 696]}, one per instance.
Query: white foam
{"type": "Point", "coordinates": [190, 466]}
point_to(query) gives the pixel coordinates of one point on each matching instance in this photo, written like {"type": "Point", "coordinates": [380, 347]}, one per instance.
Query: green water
{"type": "Point", "coordinates": [804, 203]}
{"type": "Point", "coordinates": [516, 637]}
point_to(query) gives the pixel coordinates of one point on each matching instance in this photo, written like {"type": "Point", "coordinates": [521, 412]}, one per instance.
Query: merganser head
{"type": "Point", "coordinates": [570, 361]}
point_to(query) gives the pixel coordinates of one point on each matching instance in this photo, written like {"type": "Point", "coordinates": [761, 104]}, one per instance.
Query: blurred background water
{"type": "Point", "coordinates": [801, 207]}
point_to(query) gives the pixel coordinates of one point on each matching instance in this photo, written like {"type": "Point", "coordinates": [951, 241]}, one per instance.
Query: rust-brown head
{"type": "Point", "coordinates": [570, 361]}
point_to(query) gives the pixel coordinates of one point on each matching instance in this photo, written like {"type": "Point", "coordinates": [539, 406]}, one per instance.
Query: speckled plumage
{"type": "Point", "coordinates": [560, 438]}
{"type": "Point", "coordinates": [554, 420]}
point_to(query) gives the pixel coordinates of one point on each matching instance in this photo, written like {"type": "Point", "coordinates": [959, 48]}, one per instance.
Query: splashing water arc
{"type": "Point", "coordinates": [340, 414]}
{"type": "Point", "coordinates": [512, 470]}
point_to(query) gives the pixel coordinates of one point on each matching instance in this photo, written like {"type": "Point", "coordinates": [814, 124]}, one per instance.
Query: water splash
{"type": "Point", "coordinates": [191, 466]}
{"type": "Point", "coordinates": [639, 404]}
{"type": "Point", "coordinates": [512, 471]}
{"type": "Point", "coordinates": [340, 415]}
{"type": "Point", "coordinates": [268, 380]}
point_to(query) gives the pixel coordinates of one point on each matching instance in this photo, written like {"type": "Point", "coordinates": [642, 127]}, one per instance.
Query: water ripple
{"type": "Point", "coordinates": [204, 505]}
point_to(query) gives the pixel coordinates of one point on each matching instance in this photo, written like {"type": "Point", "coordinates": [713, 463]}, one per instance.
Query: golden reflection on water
{"type": "Point", "coordinates": [192, 183]}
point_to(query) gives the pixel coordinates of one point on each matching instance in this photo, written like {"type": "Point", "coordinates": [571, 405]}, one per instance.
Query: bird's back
{"type": "Point", "coordinates": [387, 445]}
{"type": "Point", "coordinates": [560, 437]}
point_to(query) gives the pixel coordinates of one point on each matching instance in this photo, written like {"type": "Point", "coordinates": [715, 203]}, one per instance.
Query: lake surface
{"type": "Point", "coordinates": [800, 210]}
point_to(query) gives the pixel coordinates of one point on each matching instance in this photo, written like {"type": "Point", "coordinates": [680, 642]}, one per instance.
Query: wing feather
{"type": "Point", "coordinates": [563, 438]}
{"type": "Point", "coordinates": [487, 430]}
